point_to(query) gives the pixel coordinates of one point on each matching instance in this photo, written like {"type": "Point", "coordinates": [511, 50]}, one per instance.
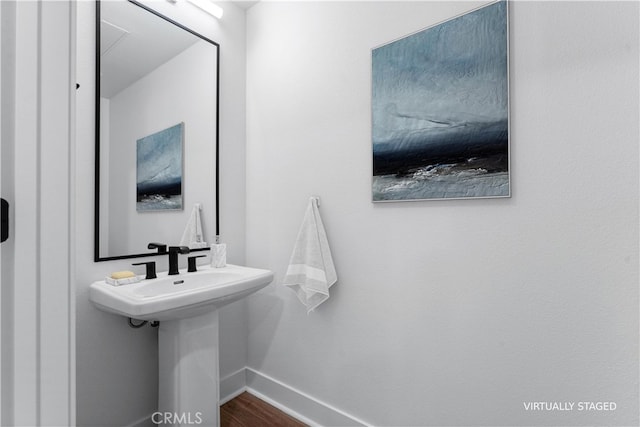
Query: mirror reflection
{"type": "Point", "coordinates": [156, 130]}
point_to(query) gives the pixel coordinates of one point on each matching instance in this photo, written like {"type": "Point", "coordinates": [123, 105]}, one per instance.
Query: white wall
{"type": "Point", "coordinates": [116, 365]}
{"type": "Point", "coordinates": [450, 312]}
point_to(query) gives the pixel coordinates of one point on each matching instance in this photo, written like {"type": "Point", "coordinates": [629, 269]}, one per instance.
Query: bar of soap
{"type": "Point", "coordinates": [122, 274]}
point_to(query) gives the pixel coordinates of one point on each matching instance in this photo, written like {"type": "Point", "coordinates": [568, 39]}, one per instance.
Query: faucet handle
{"type": "Point", "coordinates": [151, 269]}
{"type": "Point", "coordinates": [191, 263]}
{"type": "Point", "coordinates": [161, 247]}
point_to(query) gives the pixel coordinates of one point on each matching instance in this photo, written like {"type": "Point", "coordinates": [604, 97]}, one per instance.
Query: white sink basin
{"type": "Point", "coordinates": [179, 296]}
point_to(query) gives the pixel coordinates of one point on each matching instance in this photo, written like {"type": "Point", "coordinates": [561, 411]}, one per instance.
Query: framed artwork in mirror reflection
{"type": "Point", "coordinates": [159, 170]}
{"type": "Point", "coordinates": [440, 110]}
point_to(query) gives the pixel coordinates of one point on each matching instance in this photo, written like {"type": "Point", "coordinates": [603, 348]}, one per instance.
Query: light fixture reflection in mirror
{"type": "Point", "coordinates": [209, 7]}
{"type": "Point", "coordinates": [152, 74]}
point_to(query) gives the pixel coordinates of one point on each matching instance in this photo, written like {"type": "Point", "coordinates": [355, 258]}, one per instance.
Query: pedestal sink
{"type": "Point", "coordinates": [186, 306]}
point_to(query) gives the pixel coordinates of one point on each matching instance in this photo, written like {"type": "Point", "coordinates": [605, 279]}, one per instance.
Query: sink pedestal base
{"type": "Point", "coordinates": [188, 371]}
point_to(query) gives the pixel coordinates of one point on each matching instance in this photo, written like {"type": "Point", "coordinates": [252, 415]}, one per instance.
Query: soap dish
{"type": "Point", "coordinates": [125, 281]}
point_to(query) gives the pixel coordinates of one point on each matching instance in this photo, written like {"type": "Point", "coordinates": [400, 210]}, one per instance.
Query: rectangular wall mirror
{"type": "Point", "coordinates": [157, 101]}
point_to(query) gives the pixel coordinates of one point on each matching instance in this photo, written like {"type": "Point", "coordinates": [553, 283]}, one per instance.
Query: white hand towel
{"type": "Point", "coordinates": [193, 236]}
{"type": "Point", "coordinates": [311, 271]}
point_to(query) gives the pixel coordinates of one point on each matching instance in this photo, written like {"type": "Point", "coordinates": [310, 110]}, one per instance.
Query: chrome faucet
{"type": "Point", "coordinates": [173, 258]}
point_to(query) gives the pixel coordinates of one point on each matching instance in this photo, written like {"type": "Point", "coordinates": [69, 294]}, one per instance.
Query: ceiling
{"type": "Point", "coordinates": [134, 42]}
{"type": "Point", "coordinates": [245, 4]}
{"type": "Point", "coordinates": [131, 35]}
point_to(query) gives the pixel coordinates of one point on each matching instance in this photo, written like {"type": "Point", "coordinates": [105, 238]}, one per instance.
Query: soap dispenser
{"type": "Point", "coordinates": [218, 254]}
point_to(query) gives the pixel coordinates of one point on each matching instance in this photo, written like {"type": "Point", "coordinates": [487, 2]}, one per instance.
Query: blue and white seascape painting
{"type": "Point", "coordinates": [440, 110]}
{"type": "Point", "coordinates": [159, 170]}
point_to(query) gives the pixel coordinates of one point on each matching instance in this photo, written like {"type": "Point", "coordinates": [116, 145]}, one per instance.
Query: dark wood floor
{"type": "Point", "coordinates": [247, 410]}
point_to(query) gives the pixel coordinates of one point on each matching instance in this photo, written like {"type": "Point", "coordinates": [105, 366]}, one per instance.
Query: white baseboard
{"type": "Point", "coordinates": [142, 422]}
{"type": "Point", "coordinates": [294, 402]}
{"type": "Point", "coordinates": [232, 385]}
{"type": "Point", "coordinates": [289, 400]}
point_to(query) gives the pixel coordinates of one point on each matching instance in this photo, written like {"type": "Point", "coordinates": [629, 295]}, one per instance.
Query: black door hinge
{"type": "Point", "coordinates": [4, 220]}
